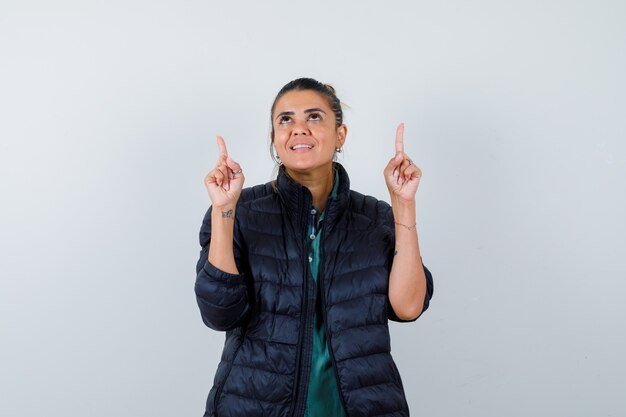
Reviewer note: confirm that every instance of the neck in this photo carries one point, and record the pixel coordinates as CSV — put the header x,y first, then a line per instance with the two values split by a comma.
x,y
318,181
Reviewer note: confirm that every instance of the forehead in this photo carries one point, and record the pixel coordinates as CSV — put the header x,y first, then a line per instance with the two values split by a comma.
x,y
301,100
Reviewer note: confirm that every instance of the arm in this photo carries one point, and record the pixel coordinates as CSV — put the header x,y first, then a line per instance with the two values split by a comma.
x,y
410,283
221,251
220,287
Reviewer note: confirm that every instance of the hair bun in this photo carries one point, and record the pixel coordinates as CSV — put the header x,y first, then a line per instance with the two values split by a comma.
x,y
331,88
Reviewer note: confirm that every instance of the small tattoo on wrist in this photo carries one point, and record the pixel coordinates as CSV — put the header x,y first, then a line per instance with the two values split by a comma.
x,y
228,213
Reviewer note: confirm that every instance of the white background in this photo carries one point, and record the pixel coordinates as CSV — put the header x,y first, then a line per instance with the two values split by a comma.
x,y
514,110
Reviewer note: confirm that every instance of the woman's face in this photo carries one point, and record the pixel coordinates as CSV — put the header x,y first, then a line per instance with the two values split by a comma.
x,y
305,132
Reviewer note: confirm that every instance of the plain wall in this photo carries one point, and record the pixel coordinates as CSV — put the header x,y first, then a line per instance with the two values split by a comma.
x,y
514,110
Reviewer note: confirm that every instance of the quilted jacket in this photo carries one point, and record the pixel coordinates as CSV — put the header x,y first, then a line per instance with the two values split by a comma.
x,y
267,310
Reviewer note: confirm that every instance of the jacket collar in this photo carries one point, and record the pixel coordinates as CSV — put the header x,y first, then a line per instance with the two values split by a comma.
x,y
297,198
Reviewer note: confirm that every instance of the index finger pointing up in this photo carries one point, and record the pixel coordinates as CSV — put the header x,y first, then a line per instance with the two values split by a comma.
x,y
222,146
400,138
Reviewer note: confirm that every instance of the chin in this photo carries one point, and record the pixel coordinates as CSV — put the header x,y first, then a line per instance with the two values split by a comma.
x,y
298,167
302,166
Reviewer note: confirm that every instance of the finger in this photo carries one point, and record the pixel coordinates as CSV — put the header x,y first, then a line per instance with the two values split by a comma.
x,y
406,170
233,166
399,171
402,162
224,171
209,179
216,177
400,139
406,162
412,173
222,147
220,173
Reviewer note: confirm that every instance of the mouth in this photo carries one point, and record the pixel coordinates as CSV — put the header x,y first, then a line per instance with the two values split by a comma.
x,y
301,146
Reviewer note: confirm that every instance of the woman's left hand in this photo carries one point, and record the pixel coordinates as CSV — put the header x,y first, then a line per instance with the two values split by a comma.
x,y
401,174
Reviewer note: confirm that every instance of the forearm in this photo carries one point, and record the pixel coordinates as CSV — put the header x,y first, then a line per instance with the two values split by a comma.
x,y
407,280
222,229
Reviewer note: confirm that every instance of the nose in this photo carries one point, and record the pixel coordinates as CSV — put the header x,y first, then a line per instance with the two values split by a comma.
x,y
300,128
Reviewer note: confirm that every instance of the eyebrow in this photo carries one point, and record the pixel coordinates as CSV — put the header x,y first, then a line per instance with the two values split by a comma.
x,y
290,113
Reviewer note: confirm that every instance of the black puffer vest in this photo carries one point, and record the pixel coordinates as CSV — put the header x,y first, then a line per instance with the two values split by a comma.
x,y
267,311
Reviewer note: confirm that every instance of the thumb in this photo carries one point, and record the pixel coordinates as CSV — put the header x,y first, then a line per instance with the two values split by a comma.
x,y
391,166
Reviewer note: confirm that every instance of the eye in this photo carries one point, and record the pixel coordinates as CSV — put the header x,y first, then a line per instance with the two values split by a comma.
x,y
284,120
315,116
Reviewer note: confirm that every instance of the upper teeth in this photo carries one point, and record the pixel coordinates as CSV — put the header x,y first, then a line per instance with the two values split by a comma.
x,y
301,146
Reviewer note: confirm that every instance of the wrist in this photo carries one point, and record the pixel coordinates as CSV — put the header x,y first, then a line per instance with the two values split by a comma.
x,y
223,212
404,212
409,227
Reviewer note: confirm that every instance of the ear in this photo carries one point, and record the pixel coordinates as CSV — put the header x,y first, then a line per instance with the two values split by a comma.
x,y
342,132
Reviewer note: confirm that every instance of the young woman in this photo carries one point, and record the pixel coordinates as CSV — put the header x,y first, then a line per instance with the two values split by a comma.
x,y
303,273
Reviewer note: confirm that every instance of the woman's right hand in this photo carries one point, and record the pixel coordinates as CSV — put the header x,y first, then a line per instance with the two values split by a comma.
x,y
225,181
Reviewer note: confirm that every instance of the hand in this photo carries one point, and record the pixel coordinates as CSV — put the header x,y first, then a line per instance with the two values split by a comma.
x,y
401,174
225,181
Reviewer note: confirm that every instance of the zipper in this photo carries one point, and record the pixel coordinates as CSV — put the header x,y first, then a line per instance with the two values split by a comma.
x,y
230,367
298,411
320,275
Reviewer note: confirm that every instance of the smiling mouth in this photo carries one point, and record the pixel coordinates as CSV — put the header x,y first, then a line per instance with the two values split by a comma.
x,y
301,146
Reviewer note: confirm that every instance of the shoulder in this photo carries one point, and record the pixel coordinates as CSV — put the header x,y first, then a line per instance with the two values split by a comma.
x,y
254,198
378,211
261,198
256,192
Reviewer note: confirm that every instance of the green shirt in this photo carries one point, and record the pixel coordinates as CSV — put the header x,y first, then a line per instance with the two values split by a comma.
x,y
323,396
